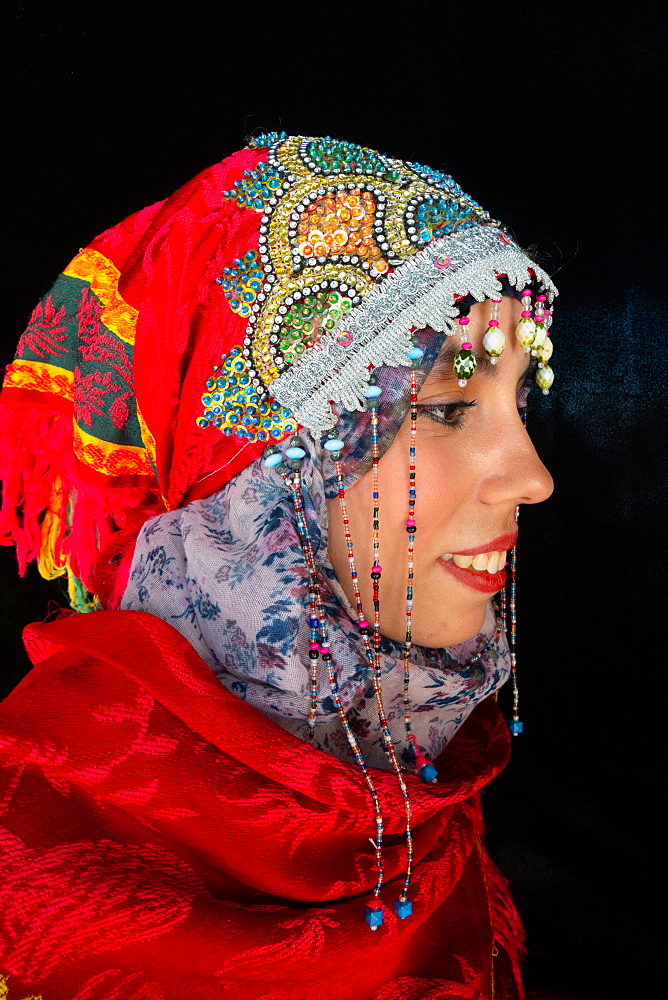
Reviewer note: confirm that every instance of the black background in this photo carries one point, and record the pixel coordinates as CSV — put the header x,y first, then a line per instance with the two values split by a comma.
x,y
550,115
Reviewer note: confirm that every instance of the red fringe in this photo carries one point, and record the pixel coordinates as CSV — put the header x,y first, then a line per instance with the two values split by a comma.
x,y
40,473
508,929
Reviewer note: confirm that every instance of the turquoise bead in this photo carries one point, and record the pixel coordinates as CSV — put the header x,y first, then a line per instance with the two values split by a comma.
x,y
403,908
428,773
374,916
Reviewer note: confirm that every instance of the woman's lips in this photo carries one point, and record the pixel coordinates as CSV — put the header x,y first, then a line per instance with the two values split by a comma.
x,y
481,580
481,568
502,543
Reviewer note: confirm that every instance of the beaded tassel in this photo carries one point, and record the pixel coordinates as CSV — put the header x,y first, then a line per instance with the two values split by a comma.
x,y
292,478
515,726
464,364
542,346
526,328
494,340
424,767
402,906
411,528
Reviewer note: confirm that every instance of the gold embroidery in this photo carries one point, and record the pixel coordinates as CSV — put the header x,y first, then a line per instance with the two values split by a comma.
x,y
102,275
146,435
40,377
110,459
4,991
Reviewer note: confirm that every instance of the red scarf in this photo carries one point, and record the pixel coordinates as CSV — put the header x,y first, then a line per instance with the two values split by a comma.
x,y
162,839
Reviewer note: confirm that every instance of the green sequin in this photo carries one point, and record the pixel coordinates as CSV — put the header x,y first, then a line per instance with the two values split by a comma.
x,y
331,156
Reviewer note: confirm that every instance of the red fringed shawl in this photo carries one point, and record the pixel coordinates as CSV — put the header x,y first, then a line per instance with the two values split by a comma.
x,y
98,410
163,840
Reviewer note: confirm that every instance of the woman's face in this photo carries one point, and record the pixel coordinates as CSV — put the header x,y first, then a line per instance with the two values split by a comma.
x,y
474,463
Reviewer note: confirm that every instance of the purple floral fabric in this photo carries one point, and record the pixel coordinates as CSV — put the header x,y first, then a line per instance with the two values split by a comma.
x,y
228,572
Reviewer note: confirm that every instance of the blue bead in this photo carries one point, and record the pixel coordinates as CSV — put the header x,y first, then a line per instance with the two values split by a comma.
x,y
403,908
428,773
374,916
333,444
515,727
372,391
295,452
415,353
271,461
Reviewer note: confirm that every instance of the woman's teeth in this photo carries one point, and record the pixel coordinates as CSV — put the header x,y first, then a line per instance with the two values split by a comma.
x,y
491,562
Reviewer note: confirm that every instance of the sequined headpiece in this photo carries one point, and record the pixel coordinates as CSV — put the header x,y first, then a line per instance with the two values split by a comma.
x,y
355,250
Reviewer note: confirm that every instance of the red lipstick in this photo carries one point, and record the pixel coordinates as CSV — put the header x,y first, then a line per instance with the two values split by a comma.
x,y
500,544
486,583
481,580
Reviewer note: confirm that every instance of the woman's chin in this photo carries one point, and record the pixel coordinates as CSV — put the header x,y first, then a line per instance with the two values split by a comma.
x,y
437,635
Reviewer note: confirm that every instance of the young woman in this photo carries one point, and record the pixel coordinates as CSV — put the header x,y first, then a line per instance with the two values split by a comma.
x,y
261,777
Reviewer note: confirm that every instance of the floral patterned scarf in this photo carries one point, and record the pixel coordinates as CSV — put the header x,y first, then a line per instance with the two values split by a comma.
x,y
229,574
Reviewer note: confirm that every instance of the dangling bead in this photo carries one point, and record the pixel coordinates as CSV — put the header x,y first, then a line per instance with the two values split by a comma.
x,y
544,377
273,459
526,328
464,363
374,915
425,768
544,352
403,908
372,395
541,329
415,353
494,340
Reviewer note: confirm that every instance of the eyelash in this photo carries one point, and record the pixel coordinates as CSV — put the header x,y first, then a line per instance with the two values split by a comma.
x,y
432,411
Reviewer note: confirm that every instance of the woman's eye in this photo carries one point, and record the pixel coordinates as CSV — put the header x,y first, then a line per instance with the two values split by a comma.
x,y
449,414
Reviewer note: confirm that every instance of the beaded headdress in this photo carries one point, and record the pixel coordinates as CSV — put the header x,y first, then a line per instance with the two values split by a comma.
x,y
355,250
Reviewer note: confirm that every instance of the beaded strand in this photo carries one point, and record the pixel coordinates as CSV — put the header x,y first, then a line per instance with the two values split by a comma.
x,y
411,528
361,620
515,726
402,906
292,478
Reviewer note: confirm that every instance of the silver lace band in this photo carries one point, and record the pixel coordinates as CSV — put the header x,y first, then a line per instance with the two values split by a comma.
x,y
421,293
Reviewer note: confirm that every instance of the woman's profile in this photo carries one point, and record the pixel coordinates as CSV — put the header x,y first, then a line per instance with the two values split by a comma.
x,y
271,431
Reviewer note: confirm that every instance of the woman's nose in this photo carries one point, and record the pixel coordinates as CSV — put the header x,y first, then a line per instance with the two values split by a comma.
x,y
515,473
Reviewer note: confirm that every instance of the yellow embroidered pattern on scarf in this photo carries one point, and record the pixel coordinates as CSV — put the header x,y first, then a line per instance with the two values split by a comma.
x,y
146,435
102,275
4,991
110,459
40,377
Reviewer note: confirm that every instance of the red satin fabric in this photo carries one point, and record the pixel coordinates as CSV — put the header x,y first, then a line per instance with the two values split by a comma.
x,y
162,839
